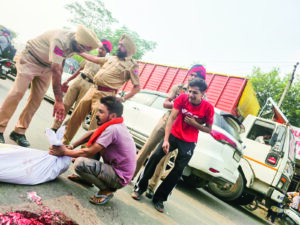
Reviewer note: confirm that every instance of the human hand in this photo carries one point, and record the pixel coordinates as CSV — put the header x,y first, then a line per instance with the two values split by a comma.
x,y
166,146
57,150
59,111
190,120
71,147
65,87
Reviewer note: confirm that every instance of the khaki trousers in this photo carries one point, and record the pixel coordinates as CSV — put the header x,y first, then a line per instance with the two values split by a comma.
x,y
160,171
89,103
154,139
28,72
74,94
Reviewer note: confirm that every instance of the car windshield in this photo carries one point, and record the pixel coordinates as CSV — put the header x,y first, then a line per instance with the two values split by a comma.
x,y
227,124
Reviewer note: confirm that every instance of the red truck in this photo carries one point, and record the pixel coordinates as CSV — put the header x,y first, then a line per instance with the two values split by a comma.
x,y
231,94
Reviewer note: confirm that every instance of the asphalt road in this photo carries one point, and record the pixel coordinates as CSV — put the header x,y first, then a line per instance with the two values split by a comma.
x,y
185,205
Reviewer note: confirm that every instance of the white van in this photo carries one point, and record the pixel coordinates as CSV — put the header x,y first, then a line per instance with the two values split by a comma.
x,y
268,164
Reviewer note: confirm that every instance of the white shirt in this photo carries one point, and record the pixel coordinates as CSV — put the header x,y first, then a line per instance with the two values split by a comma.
x,y
260,139
296,199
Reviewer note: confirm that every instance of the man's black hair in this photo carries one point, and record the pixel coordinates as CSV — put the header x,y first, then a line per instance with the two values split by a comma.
x,y
113,105
200,83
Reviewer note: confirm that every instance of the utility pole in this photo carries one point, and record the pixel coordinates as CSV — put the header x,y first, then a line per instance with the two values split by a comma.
x,y
288,85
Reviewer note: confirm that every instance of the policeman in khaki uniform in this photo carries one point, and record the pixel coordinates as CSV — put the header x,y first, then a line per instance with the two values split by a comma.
x,y
41,60
82,83
115,71
196,71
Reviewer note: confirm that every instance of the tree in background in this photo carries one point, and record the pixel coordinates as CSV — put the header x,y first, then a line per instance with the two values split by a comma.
x,y
142,45
271,85
93,14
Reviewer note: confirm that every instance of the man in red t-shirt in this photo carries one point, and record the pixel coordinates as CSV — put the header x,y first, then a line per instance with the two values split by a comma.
x,y
189,112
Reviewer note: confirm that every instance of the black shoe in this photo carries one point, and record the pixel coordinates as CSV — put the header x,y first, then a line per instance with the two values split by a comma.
x,y
159,206
2,141
136,195
149,193
20,139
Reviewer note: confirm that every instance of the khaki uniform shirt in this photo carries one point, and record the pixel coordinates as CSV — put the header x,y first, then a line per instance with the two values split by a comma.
x,y
52,46
115,72
89,68
176,90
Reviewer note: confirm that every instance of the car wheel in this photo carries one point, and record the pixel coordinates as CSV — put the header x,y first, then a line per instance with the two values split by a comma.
x,y
194,181
227,192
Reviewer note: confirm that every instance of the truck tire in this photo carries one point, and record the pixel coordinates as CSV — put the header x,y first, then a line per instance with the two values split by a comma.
x,y
194,181
228,194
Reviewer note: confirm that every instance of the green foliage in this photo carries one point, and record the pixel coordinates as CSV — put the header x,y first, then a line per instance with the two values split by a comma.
x,y
142,45
271,85
79,58
93,14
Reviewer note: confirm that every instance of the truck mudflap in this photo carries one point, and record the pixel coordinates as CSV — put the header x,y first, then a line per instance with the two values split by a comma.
x,y
247,171
275,195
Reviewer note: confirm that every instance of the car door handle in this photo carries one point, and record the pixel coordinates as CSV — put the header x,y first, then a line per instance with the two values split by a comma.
x,y
136,108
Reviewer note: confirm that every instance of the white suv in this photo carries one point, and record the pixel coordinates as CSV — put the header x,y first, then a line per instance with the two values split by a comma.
x,y
216,156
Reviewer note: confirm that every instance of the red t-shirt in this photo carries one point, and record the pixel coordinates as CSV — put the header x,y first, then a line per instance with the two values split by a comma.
x,y
184,131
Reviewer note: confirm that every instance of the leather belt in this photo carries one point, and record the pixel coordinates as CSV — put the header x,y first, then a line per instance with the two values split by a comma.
x,y
38,60
85,77
107,89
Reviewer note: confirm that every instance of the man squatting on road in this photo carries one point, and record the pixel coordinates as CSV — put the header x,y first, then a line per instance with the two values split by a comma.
x,y
82,83
41,60
116,70
115,145
157,135
181,132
